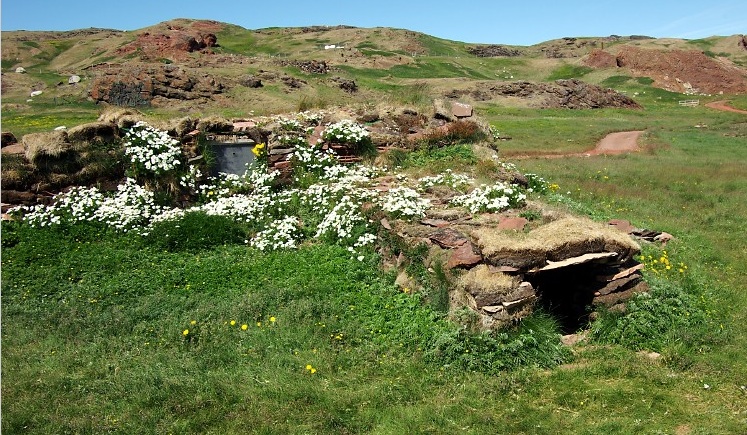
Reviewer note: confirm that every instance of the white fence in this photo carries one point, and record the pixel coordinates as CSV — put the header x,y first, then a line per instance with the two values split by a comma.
x,y
689,103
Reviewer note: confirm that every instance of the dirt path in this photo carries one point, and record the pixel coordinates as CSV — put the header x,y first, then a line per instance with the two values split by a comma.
x,y
722,105
614,143
617,143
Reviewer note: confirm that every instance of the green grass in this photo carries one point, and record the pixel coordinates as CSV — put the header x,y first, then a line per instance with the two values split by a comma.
x,y
140,331
45,116
568,71
441,47
423,68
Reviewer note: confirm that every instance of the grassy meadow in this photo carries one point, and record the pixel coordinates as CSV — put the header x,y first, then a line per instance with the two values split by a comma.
x,y
105,332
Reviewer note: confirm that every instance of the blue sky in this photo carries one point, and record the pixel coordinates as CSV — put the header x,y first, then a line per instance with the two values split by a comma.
x,y
481,21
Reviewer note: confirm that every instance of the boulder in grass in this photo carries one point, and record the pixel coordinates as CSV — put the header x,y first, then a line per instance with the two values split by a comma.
x,y
8,138
486,287
122,118
214,124
92,132
51,144
442,111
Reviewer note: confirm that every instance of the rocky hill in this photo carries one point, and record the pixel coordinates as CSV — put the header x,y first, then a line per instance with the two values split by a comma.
x,y
185,66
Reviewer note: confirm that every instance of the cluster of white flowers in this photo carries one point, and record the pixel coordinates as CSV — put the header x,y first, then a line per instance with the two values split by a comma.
x,y
341,220
244,208
497,197
340,205
289,124
359,174
77,205
129,208
152,150
312,159
404,202
448,178
279,234
311,118
224,185
494,133
333,205
192,178
345,131
291,140
363,240
537,183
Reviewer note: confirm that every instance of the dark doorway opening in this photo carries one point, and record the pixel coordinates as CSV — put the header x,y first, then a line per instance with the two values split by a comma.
x,y
567,294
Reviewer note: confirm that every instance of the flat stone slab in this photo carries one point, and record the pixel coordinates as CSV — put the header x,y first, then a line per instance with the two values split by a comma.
x,y
277,151
514,223
618,285
385,223
573,261
437,223
461,110
622,274
316,136
448,238
16,148
467,255
503,269
622,225
617,297
243,125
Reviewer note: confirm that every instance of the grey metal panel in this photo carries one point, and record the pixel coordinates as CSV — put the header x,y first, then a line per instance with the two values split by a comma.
x,y
232,158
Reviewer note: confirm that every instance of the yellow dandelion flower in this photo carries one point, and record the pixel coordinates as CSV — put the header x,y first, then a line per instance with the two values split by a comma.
x,y
308,366
257,150
185,332
194,322
244,327
313,370
272,319
259,324
233,323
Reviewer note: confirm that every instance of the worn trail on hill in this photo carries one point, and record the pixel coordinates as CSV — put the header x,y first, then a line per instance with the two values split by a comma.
x,y
614,143
722,105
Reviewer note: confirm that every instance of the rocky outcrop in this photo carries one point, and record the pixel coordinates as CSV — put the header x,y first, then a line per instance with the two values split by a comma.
x,y
307,66
686,71
682,70
346,85
600,59
493,51
251,82
141,85
172,40
568,94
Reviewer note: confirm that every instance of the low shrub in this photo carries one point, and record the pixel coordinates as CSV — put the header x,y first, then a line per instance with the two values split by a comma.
x,y
454,133
672,313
